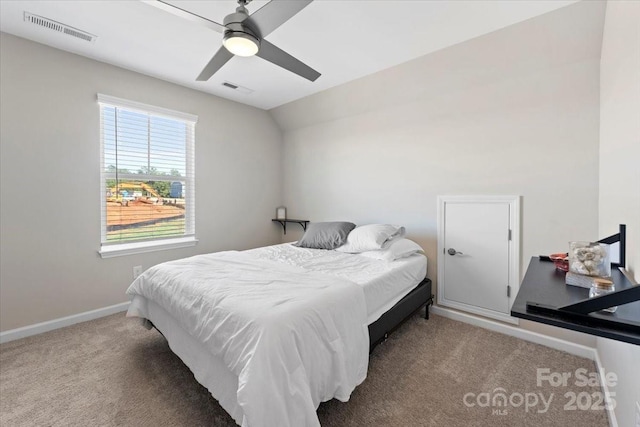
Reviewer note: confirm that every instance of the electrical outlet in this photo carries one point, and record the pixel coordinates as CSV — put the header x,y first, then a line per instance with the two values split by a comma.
x,y
137,270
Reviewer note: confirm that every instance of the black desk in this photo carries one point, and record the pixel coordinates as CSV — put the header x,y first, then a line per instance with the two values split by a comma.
x,y
543,284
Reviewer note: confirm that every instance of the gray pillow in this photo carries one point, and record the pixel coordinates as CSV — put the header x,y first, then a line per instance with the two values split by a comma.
x,y
325,235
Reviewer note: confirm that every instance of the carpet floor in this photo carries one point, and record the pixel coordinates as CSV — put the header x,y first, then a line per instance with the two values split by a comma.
x,y
113,372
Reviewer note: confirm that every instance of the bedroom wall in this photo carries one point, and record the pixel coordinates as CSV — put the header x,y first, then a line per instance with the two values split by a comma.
x,y
50,205
620,178
512,112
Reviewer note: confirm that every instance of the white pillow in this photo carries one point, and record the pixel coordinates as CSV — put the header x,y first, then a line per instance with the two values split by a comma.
x,y
400,248
371,237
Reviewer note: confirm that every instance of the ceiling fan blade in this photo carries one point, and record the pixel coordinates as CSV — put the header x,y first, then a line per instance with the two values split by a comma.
x,y
282,59
221,57
274,14
175,10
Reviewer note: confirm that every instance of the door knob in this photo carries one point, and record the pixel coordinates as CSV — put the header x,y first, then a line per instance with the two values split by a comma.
x,y
452,252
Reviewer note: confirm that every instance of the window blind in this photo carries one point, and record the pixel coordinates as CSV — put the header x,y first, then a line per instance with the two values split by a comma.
x,y
147,173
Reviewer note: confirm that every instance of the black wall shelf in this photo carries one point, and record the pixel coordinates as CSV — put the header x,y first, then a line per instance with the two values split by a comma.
x,y
545,298
283,222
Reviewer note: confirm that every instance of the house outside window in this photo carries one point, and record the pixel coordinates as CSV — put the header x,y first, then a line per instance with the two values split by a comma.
x,y
147,177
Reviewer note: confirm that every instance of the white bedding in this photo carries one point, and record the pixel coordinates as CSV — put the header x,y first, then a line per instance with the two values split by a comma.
x,y
293,337
384,283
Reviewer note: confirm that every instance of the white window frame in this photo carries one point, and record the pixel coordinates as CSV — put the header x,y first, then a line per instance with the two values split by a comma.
x,y
129,248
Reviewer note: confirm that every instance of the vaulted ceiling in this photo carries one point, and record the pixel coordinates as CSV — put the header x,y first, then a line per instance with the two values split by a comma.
x,y
343,40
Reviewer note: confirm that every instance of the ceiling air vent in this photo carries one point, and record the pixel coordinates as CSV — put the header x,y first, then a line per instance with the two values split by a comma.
x,y
57,26
237,88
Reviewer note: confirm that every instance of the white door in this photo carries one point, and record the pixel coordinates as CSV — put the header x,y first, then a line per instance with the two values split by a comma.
x,y
477,256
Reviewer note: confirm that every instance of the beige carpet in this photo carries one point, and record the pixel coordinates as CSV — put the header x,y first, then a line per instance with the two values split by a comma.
x,y
111,371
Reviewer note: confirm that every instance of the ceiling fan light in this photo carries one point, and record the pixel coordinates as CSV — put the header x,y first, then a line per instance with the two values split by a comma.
x,y
241,44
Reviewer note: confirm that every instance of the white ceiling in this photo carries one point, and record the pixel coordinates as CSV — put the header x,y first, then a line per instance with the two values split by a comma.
x,y
343,40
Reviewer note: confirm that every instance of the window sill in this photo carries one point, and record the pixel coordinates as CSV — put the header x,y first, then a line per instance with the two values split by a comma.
x,y
142,247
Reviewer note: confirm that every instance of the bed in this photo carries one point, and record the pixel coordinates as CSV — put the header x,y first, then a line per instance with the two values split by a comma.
x,y
272,332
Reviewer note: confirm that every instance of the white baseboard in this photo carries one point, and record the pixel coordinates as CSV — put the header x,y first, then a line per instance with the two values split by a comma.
x,y
535,337
613,421
38,328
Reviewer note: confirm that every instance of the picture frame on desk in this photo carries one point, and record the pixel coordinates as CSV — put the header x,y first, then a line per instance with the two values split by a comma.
x,y
281,212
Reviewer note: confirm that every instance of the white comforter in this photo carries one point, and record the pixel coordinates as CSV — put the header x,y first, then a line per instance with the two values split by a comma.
x,y
294,338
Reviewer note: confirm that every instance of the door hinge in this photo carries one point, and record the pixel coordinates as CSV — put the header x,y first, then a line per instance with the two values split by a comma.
x,y
509,234
508,291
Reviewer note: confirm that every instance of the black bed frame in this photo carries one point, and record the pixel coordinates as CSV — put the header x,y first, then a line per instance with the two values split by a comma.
x,y
391,320
419,297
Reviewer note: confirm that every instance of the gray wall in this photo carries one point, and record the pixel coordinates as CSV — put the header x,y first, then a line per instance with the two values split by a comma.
x,y
512,112
50,210
620,178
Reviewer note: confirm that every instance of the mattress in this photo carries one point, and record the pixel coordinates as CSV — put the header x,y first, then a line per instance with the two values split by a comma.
x,y
384,283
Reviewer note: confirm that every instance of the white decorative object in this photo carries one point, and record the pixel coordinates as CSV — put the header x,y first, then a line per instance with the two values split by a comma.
x,y
581,280
590,259
281,212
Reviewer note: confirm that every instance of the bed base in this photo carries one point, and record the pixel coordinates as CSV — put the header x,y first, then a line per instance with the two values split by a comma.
x,y
419,297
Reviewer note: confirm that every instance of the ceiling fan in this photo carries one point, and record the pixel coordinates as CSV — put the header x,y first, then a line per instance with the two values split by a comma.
x,y
244,34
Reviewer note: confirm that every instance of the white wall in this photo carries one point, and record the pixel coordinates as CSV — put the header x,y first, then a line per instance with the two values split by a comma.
x,y
620,126
620,176
512,112
50,205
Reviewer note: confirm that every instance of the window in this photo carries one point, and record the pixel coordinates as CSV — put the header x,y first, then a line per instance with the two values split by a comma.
x,y
147,177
